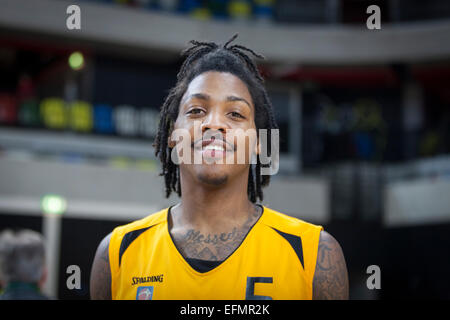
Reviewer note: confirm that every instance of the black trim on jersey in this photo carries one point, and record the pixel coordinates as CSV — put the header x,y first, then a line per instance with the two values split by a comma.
x,y
295,242
127,239
202,265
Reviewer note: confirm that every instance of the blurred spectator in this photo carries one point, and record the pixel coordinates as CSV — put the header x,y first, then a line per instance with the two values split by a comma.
x,y
22,265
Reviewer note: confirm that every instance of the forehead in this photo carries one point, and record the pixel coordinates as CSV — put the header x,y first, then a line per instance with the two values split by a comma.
x,y
218,85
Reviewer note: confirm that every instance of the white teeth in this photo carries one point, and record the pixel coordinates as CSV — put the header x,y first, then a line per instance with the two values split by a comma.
x,y
210,147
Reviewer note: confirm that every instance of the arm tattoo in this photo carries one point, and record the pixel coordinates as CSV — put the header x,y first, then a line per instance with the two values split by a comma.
x,y
330,277
100,283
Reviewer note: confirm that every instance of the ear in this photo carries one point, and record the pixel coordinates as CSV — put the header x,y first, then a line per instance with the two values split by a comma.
x,y
170,142
257,149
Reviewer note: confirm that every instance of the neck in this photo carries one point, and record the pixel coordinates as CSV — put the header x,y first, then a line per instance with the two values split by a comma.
x,y
214,207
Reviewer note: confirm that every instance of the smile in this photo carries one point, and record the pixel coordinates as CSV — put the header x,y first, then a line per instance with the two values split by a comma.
x,y
213,147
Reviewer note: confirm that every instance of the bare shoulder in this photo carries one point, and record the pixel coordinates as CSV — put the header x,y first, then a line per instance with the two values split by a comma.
x,y
100,282
330,277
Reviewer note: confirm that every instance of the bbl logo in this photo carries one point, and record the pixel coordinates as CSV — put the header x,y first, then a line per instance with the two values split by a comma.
x,y
144,293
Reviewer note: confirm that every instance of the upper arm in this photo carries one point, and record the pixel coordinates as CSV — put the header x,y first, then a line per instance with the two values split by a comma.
x,y
100,282
330,277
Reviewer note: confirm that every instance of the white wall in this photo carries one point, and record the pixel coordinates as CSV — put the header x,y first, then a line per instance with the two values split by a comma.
x,y
119,193
420,201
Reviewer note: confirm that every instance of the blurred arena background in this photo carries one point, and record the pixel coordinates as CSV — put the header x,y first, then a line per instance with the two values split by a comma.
x,y
364,118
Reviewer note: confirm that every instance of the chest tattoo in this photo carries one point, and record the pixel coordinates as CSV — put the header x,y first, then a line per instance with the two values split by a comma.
x,y
194,244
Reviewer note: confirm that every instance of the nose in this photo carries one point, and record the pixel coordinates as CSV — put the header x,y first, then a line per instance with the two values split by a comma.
x,y
214,121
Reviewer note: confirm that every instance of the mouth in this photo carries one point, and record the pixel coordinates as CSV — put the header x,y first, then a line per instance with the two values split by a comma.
x,y
213,148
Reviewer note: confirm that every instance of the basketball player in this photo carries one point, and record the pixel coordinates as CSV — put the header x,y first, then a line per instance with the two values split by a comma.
x,y
217,243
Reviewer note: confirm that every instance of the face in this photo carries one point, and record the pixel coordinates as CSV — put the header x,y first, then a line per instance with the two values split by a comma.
x,y
217,111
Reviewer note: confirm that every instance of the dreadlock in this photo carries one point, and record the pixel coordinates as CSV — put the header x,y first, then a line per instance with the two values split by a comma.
x,y
200,58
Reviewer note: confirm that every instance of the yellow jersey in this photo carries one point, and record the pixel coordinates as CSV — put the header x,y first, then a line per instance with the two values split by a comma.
x,y
276,260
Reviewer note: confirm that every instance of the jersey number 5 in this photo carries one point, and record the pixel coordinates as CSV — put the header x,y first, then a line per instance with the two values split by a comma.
x,y
250,290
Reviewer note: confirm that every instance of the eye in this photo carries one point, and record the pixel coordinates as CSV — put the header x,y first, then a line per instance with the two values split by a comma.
x,y
195,111
235,114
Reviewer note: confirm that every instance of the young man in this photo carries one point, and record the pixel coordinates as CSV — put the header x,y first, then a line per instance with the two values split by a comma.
x,y
217,243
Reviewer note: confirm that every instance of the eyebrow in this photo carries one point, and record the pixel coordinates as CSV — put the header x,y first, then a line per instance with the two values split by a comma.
x,y
204,96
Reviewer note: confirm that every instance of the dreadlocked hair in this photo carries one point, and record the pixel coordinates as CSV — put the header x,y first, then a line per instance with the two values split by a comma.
x,y
209,56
